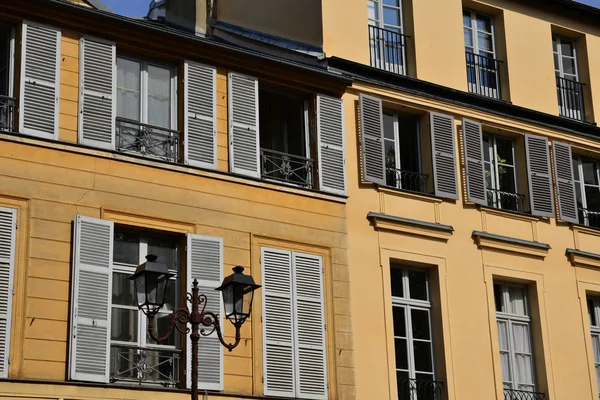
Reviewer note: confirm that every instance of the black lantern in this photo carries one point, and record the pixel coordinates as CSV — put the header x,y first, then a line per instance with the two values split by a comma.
x,y
238,292
151,280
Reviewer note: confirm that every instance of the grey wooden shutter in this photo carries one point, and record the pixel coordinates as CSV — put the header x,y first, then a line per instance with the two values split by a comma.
x,y
309,326
332,144
91,299
97,93
278,325
244,135
8,226
443,155
563,170
200,115
540,180
475,170
205,263
371,128
40,80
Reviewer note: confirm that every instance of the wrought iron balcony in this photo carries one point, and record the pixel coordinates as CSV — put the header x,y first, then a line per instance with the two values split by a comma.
x,y
412,389
505,200
570,98
388,49
589,217
407,180
512,394
483,75
7,113
288,168
147,140
144,366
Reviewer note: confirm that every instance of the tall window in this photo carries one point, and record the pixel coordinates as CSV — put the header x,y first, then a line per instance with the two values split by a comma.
x,y
411,307
587,189
386,35
514,336
483,73
402,151
501,173
569,90
593,304
130,342
6,75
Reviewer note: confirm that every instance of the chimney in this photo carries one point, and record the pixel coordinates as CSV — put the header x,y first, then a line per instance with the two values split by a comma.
x,y
187,15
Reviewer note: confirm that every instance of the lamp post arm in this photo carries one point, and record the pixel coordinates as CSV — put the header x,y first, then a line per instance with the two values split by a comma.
x,y
211,319
179,317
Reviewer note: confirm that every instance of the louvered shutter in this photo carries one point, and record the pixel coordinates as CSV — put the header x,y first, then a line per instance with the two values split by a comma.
x,y
97,98
205,263
310,326
91,299
200,109
540,181
278,330
8,226
40,80
331,142
473,142
371,128
444,161
244,135
563,170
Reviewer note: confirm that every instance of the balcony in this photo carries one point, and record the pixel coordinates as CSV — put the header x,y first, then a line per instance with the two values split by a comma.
x,y
505,200
589,217
570,98
483,75
147,140
511,394
144,366
388,49
286,168
413,389
7,113
407,180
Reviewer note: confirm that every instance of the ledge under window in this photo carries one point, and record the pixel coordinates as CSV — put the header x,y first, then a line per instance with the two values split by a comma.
x,y
581,258
411,226
486,240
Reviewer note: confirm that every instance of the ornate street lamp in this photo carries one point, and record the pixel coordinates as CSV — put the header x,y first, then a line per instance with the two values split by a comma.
x,y
151,282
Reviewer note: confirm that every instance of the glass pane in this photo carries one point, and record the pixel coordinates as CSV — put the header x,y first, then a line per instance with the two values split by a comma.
x,y
503,335
422,356
554,43
521,338
498,296
468,38
420,324
391,16
596,347
592,196
128,85
523,369
126,248
393,3
396,275
390,154
372,10
404,385
124,325
425,389
484,24
408,126
506,178
388,126
401,353
162,322
417,282
505,363
591,312
589,172
485,43
128,104
399,321
159,96
467,19
566,48
123,290
575,170
504,148
569,66
517,301
556,65
166,250
486,148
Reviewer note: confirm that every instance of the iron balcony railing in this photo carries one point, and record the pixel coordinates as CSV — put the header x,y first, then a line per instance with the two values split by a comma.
x,y
7,113
287,168
483,75
589,217
144,366
512,394
570,98
147,140
420,389
388,49
505,200
407,180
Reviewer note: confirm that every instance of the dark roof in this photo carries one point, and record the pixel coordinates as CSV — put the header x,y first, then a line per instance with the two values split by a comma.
x,y
99,4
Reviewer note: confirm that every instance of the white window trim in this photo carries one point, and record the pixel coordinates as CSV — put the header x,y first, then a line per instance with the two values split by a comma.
x,y
476,50
379,22
493,155
582,185
561,72
595,331
398,161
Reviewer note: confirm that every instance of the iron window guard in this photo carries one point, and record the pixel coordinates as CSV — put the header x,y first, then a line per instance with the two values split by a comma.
x,y
7,113
505,200
570,98
388,49
407,180
409,389
147,140
287,168
483,75
143,365
589,217
513,394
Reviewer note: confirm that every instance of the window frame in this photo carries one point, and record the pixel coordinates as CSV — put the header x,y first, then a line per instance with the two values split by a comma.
x,y
11,58
595,331
559,40
379,22
397,156
579,181
474,31
493,155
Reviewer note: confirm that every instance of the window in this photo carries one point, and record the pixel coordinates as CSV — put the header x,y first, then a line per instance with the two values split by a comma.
x,y
386,35
568,87
593,304
501,173
7,102
131,345
403,152
483,69
284,138
514,336
146,109
586,176
411,308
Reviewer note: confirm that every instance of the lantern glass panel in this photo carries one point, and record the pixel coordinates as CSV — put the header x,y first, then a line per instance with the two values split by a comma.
x,y
140,287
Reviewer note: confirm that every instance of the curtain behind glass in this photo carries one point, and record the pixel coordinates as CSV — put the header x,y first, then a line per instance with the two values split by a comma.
x,y
159,96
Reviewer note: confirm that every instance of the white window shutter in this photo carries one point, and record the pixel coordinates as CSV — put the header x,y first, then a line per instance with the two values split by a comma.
x,y
200,115
441,127
541,196
371,128
91,299
8,226
205,264
475,170
278,326
97,92
565,184
40,80
332,144
244,137
310,327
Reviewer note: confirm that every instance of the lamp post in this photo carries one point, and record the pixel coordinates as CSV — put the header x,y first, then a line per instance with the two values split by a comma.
x,y
151,281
